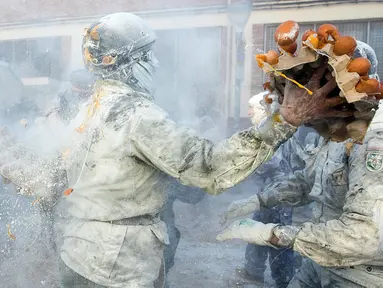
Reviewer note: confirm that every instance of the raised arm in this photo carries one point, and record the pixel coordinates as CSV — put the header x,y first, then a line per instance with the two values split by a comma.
x,y
282,180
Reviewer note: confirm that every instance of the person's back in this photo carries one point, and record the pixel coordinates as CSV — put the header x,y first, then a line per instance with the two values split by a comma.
x,y
119,190
127,143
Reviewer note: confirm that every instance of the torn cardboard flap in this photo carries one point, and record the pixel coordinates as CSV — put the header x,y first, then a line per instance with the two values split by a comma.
x,y
288,61
346,81
361,92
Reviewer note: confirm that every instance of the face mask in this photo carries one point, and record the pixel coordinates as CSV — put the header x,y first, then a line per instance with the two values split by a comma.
x,y
143,72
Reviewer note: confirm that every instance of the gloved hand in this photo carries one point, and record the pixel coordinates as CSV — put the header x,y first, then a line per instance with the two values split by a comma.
x,y
250,231
259,110
241,208
263,105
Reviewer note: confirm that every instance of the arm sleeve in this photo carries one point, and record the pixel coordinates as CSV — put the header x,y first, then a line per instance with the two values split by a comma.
x,y
290,190
158,141
287,176
354,238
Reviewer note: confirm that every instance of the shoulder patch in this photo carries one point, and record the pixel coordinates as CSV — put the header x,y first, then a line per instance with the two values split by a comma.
x,y
374,161
374,157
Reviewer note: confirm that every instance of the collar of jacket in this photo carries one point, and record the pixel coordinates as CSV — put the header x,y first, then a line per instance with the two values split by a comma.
x,y
115,86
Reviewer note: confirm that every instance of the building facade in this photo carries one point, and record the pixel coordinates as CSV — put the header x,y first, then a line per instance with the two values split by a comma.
x,y
196,45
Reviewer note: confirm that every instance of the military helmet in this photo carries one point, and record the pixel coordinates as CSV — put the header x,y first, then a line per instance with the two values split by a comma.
x,y
116,40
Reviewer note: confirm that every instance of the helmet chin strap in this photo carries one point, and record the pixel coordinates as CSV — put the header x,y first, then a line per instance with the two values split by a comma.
x,y
143,72
138,72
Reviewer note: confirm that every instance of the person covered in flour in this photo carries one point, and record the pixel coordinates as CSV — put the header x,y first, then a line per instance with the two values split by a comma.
x,y
342,243
125,146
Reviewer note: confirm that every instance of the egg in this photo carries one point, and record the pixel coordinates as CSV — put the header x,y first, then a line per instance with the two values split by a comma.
x,y
360,66
369,86
307,33
345,45
327,30
286,33
292,48
272,57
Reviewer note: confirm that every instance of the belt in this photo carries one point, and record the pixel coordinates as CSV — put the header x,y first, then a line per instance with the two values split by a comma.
x,y
142,220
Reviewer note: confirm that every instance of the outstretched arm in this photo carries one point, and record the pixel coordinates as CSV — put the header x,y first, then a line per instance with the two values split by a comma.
x,y
158,141
282,180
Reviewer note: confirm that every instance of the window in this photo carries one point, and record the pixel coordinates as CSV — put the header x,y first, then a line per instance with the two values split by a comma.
x,y
33,57
376,42
357,30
